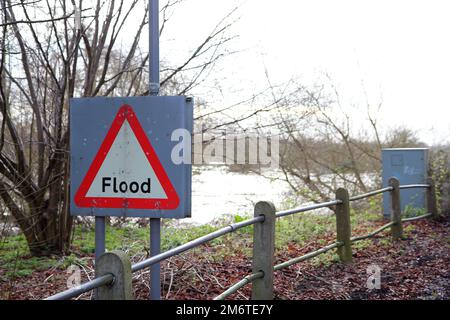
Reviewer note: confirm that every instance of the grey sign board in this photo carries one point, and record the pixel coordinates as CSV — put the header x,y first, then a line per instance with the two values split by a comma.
x,y
121,156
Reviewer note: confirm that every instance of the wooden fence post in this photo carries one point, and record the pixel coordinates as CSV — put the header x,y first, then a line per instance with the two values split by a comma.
x,y
396,213
263,251
343,227
431,199
117,263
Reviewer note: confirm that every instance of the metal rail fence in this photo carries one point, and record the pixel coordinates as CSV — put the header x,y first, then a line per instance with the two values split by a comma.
x,y
113,279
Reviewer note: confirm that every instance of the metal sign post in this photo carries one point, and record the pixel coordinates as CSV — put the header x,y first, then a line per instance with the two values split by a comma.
x,y
155,223
100,236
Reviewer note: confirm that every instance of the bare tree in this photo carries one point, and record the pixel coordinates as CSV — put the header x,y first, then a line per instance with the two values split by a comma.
x,y
322,145
48,57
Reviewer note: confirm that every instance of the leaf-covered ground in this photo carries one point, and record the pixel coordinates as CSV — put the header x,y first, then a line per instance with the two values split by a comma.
x,y
416,267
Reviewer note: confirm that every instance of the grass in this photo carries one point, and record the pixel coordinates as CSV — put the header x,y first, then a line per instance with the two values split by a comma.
x,y
408,231
410,212
15,260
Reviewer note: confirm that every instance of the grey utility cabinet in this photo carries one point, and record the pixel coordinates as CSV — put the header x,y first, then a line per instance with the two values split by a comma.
x,y
409,166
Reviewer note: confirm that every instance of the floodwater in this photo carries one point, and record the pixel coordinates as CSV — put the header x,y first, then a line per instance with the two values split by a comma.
x,y
218,193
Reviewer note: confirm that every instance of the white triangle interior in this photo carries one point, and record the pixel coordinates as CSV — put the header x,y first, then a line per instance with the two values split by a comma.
x,y
126,164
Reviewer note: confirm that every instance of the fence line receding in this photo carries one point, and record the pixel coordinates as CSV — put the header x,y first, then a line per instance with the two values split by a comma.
x,y
263,244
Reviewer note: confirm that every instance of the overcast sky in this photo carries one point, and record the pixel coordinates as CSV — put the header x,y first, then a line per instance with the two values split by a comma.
x,y
398,51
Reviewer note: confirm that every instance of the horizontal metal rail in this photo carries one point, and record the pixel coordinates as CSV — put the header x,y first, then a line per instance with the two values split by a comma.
x,y
354,239
238,285
373,233
308,208
307,256
195,243
83,288
414,186
417,218
371,193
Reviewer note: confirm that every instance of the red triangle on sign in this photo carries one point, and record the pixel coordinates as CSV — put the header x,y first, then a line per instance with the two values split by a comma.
x,y
113,193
